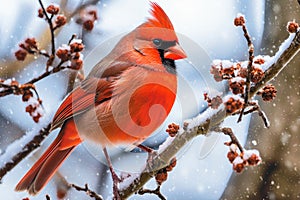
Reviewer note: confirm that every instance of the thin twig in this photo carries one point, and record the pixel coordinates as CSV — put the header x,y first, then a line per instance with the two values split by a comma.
x,y
234,140
49,20
249,69
88,191
156,192
255,108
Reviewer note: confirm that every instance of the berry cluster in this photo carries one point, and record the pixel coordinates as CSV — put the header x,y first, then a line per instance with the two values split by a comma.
x,y
53,10
162,174
243,159
236,73
233,105
268,93
34,104
29,46
239,20
215,102
72,53
34,108
172,129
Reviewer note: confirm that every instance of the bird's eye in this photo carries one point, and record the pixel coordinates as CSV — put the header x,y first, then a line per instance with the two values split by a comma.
x,y
157,42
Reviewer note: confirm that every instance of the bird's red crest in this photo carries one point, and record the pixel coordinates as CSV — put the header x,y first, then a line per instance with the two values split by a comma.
x,y
159,18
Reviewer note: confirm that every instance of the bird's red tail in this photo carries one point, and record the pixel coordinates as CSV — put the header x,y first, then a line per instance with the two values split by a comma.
x,y
42,171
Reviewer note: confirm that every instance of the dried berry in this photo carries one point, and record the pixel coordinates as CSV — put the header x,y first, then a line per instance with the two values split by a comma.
x,y
233,105
37,118
239,21
52,9
259,61
63,54
253,160
216,73
76,47
256,74
231,156
93,13
88,25
292,27
237,87
268,93
31,43
60,20
20,54
228,72
76,64
27,95
172,129
30,109
243,72
40,13
173,162
161,176
238,167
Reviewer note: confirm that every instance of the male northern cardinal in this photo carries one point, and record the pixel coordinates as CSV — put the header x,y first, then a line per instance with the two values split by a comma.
x,y
126,96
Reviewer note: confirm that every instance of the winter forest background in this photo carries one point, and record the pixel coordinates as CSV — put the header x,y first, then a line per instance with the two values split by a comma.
x,y
199,174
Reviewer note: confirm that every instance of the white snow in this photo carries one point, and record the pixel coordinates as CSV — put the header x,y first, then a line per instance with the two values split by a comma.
x,y
282,48
237,79
165,144
236,97
76,40
201,118
65,46
18,144
129,180
233,147
241,15
237,160
248,153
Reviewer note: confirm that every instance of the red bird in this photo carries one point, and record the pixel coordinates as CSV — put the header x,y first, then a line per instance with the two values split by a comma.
x,y
126,96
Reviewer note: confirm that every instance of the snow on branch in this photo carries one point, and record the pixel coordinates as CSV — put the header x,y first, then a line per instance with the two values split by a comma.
x,y
212,118
32,141
67,56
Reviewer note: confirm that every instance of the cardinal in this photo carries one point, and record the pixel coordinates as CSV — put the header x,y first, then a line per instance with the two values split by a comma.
x,y
125,98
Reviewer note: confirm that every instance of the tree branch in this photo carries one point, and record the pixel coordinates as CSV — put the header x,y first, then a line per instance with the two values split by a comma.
x,y
284,58
207,120
26,150
87,191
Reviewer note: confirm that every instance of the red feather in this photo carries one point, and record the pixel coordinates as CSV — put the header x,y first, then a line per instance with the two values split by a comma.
x,y
81,99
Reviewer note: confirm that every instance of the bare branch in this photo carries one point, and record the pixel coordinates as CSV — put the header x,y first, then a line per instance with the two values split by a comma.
x,y
156,192
249,69
87,191
51,28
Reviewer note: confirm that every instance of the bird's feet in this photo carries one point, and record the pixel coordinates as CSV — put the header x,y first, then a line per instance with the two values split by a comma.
x,y
151,154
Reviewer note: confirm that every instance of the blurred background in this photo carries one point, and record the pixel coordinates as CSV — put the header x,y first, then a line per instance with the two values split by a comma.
x,y
210,26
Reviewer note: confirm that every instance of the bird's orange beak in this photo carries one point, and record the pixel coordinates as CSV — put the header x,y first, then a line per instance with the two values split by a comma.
x,y
175,52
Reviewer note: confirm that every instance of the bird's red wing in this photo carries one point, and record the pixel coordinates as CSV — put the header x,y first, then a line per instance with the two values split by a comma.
x,y
92,92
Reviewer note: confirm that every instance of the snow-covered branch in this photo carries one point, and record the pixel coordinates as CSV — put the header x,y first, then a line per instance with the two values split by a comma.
x,y
289,48
32,141
203,123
